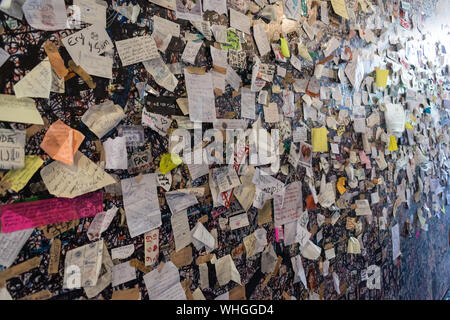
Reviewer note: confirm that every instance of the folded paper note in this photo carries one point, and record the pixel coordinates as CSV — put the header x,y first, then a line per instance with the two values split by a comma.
x,y
61,142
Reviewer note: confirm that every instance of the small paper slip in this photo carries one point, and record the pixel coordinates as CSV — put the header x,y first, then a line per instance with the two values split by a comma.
x,y
239,221
136,50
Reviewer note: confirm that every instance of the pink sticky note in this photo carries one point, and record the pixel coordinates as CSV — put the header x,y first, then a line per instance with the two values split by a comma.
x,y
365,159
27,215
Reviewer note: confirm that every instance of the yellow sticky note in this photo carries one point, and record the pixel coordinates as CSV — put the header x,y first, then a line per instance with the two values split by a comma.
x,y
393,144
341,185
382,76
408,126
319,139
285,48
363,5
303,52
340,8
18,178
169,161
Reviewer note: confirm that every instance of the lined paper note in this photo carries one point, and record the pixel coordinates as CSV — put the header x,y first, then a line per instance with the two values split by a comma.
x,y
136,50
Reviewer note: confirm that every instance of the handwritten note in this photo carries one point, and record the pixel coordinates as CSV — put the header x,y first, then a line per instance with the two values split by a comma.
x,y
11,244
123,252
239,221
69,181
157,122
202,105
61,142
140,161
116,153
289,207
395,242
190,51
151,245
22,110
202,238
92,12
92,40
12,149
37,83
161,73
226,271
136,50
178,200
141,204
181,230
164,284
261,39
26,215
48,15
122,273
101,118
166,26
82,266
247,104
96,65
104,279
100,223
219,6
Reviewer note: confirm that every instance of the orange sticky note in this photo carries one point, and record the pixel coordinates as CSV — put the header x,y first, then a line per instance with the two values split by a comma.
x,y
61,142
341,185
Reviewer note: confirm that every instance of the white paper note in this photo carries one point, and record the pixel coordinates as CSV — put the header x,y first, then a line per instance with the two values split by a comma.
x,y
122,252
12,149
138,49
37,83
11,244
226,271
96,65
239,21
49,15
91,40
122,273
261,39
202,105
181,230
100,223
116,153
69,181
164,284
141,204
101,118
